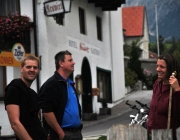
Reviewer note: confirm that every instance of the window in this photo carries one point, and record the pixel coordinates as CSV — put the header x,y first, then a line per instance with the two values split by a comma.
x,y
104,85
9,6
82,21
99,28
6,44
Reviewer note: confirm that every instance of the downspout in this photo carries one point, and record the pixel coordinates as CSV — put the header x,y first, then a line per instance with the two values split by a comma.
x,y
111,51
35,37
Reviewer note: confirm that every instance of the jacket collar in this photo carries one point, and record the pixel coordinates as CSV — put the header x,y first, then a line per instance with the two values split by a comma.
x,y
60,78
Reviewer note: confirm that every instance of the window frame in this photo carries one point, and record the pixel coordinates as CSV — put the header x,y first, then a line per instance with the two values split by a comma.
x,y
107,87
82,21
8,6
99,28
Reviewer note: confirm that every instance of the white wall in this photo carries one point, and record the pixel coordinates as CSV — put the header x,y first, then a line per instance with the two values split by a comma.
x,y
118,79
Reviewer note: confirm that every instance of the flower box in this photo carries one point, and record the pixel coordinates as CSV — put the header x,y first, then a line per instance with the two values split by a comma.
x,y
14,25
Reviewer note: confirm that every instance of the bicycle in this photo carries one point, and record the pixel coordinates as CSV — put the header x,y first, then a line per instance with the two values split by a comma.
x,y
142,115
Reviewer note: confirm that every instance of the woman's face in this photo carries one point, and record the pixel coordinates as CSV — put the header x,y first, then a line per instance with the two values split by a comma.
x,y
161,69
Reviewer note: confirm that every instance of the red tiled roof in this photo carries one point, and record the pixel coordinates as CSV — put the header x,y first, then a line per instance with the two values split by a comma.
x,y
133,20
153,55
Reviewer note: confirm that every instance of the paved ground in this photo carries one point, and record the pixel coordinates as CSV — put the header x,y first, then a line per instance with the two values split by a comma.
x,y
143,96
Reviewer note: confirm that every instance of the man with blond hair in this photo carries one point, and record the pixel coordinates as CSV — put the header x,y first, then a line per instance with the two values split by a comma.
x,y
21,102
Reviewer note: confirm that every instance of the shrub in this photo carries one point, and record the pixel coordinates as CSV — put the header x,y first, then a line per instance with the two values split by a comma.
x,y
130,77
148,79
102,138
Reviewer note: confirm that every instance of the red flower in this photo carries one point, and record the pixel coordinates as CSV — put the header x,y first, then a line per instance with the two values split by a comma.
x,y
14,25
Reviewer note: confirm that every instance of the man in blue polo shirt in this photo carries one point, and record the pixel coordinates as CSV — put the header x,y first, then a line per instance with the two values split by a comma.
x,y
59,101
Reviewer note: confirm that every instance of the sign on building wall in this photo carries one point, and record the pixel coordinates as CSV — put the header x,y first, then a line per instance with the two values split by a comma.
x,y
83,46
53,7
13,58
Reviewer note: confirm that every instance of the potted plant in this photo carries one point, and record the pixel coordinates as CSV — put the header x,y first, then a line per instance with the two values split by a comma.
x,y
14,28
14,25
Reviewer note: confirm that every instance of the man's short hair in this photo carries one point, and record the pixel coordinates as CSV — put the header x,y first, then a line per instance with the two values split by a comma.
x,y
60,56
29,57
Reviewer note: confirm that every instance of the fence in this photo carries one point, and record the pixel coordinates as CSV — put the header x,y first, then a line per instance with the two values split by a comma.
x,y
137,132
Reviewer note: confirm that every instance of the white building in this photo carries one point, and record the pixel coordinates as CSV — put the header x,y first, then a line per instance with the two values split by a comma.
x,y
135,25
92,34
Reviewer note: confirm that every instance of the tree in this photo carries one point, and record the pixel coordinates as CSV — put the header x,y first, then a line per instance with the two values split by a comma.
x,y
176,52
134,63
161,44
127,49
173,47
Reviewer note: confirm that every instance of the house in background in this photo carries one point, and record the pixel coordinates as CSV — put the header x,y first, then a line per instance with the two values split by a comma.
x,y
136,28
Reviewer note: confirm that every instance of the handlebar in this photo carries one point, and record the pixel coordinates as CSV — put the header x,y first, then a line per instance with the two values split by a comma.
x,y
132,106
142,105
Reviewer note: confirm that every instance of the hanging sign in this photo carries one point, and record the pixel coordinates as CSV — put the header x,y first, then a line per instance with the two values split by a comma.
x,y
53,7
13,58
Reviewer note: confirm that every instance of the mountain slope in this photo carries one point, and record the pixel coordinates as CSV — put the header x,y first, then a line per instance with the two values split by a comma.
x,y
168,12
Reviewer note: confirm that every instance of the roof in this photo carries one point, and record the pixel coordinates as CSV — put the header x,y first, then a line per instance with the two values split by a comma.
x,y
133,20
153,55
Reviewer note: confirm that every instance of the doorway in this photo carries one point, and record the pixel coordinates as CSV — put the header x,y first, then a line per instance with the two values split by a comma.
x,y
87,87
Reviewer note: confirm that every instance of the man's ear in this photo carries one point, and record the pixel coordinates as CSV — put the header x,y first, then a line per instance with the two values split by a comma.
x,y
61,63
20,68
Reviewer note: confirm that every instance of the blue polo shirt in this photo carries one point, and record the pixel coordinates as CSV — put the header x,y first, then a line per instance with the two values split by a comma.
x,y
71,114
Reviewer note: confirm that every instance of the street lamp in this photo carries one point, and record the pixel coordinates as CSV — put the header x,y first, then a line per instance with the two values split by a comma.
x,y
57,9
67,6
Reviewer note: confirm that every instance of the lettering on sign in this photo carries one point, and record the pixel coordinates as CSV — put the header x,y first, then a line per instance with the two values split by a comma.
x,y
83,47
18,51
6,60
73,44
95,51
53,7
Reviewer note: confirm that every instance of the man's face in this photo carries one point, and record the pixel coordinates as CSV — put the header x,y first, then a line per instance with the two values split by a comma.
x,y
68,64
161,69
30,70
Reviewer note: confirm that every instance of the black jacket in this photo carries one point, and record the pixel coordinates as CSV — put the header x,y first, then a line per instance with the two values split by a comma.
x,y
25,102
53,98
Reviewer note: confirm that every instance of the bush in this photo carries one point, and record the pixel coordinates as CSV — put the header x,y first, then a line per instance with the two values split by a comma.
x,y
130,77
102,138
148,79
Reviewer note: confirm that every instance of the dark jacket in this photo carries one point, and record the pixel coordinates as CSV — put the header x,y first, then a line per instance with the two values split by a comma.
x,y
25,102
18,93
53,98
158,115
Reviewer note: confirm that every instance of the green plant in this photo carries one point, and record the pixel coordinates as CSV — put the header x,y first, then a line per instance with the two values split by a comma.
x,y
134,63
148,79
13,25
102,138
130,77
127,50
